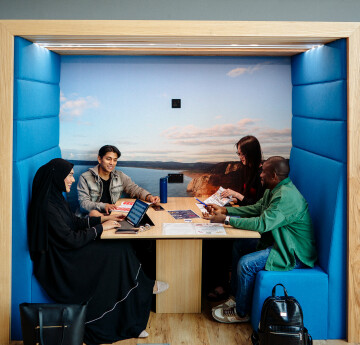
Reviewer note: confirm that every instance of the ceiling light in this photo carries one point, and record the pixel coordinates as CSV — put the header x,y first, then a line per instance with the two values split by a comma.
x,y
178,45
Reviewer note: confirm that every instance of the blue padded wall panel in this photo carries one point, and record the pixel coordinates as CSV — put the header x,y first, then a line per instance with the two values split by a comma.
x,y
315,135
36,141
35,99
319,65
322,181
337,264
318,162
33,62
32,137
318,178
322,101
23,175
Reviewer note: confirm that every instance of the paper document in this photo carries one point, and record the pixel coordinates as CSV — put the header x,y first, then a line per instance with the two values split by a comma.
x,y
201,208
183,214
209,229
176,229
125,206
217,199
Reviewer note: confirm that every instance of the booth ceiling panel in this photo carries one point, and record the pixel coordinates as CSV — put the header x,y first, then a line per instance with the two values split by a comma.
x,y
177,39
177,45
183,51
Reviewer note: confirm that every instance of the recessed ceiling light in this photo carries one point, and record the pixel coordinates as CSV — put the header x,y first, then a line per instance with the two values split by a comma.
x,y
178,45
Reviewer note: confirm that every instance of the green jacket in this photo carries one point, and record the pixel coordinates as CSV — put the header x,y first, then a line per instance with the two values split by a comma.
x,y
283,219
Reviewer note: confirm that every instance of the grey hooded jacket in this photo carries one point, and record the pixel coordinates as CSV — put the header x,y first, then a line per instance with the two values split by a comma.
x,y
90,189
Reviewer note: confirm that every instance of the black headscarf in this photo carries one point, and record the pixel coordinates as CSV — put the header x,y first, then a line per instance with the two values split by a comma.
x,y
48,183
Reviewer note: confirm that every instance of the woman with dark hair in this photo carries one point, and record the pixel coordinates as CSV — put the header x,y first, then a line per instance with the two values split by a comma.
x,y
74,265
250,191
249,152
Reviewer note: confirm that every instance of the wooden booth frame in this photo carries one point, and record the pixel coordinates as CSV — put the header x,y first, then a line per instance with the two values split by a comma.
x,y
200,33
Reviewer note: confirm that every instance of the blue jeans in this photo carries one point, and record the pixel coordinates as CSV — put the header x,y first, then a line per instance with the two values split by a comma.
x,y
240,248
243,277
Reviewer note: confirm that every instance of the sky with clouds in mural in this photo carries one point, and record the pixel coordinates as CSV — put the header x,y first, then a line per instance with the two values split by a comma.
x,y
126,101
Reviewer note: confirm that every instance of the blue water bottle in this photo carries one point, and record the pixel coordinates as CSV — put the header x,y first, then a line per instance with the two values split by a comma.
x,y
163,190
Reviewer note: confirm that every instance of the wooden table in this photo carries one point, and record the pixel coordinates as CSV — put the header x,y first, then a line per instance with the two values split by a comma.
x,y
178,258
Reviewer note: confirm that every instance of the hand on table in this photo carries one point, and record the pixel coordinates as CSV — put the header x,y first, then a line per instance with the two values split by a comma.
x,y
215,213
154,199
110,225
215,209
109,207
215,218
119,216
114,216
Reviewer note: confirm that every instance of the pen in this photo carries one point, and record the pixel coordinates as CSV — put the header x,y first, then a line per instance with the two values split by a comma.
x,y
201,202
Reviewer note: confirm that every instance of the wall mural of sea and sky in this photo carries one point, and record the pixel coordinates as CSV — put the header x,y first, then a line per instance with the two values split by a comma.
x,y
126,101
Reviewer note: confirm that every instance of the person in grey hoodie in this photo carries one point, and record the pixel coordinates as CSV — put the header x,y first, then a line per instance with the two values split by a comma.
x,y
99,188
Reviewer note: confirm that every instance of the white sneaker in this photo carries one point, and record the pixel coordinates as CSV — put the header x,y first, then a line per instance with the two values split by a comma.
x,y
228,304
229,315
160,287
143,334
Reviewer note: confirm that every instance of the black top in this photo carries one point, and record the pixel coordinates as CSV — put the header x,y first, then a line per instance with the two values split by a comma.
x,y
105,197
252,190
48,186
76,266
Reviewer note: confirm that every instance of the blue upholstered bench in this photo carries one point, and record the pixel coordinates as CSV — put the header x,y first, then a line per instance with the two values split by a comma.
x,y
321,291
25,288
318,169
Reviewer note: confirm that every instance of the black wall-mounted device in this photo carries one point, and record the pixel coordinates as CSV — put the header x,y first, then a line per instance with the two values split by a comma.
x,y
175,178
176,103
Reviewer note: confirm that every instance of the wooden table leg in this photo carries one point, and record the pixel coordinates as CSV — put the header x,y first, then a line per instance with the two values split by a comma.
x,y
178,262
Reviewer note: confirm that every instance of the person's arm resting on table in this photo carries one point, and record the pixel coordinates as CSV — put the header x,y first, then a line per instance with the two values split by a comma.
x,y
135,191
153,199
251,216
218,214
87,229
246,211
272,218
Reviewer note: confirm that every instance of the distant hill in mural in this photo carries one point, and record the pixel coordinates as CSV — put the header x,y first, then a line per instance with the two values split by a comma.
x,y
198,167
206,178
225,174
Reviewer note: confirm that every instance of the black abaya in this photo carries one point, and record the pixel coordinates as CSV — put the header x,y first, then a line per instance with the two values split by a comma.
x,y
80,267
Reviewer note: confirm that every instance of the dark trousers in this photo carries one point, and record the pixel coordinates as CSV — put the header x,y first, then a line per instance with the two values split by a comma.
x,y
216,263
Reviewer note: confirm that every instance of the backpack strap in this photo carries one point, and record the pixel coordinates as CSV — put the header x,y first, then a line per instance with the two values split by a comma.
x,y
255,338
274,290
308,338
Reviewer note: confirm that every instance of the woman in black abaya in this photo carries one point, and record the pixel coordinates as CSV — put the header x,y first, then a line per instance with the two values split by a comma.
x,y
74,265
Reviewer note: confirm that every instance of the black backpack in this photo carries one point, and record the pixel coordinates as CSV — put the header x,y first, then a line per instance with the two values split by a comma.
x,y
281,322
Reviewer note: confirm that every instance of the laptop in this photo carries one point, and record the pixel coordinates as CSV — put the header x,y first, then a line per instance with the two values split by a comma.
x,y
135,218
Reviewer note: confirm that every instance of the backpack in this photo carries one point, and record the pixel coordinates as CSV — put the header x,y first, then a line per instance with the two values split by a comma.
x,y
281,322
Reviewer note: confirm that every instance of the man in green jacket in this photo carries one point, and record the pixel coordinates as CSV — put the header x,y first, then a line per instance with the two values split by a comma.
x,y
287,239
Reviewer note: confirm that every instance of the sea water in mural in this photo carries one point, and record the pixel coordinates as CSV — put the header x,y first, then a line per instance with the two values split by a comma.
x,y
126,101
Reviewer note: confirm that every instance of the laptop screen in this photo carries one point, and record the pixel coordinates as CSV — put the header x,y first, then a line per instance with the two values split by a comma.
x,y
137,212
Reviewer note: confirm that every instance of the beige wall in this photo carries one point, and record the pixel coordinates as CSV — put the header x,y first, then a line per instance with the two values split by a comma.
x,y
239,10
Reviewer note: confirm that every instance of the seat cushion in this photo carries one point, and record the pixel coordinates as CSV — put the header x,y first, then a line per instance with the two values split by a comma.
x,y
308,285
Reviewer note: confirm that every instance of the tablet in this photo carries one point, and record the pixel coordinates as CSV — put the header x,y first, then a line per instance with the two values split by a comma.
x,y
136,213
